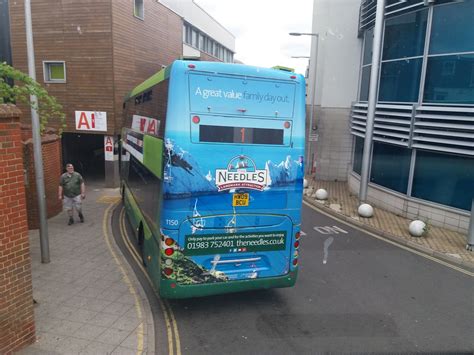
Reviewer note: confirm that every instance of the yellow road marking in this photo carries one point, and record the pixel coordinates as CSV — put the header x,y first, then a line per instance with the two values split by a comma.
x,y
429,257
175,328
167,311
138,305
109,199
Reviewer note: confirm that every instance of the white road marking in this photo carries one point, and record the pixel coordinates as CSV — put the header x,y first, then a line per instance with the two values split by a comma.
x,y
330,230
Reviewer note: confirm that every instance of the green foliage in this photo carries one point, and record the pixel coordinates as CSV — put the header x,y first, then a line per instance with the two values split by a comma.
x,y
46,105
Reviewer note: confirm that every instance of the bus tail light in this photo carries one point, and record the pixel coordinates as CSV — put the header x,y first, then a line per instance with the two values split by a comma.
x,y
297,244
287,124
196,119
169,241
169,251
168,271
191,66
297,235
295,262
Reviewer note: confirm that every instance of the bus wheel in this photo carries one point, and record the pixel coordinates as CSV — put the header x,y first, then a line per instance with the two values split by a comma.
x,y
141,244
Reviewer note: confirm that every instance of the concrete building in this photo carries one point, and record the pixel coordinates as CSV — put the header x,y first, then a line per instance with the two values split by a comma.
x,y
422,156
89,55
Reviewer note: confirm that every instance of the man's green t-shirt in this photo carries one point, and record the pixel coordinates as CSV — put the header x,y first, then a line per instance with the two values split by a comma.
x,y
71,184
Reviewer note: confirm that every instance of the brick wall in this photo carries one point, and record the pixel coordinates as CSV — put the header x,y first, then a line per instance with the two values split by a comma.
x,y
17,328
51,151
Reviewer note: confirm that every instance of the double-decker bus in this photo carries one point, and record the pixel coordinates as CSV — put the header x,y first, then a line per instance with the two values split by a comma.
x,y
212,176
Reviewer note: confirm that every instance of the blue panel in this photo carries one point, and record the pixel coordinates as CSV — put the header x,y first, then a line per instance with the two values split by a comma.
x,y
405,35
444,178
450,79
400,81
453,28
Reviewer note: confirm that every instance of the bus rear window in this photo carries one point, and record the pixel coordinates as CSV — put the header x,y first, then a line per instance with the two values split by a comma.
x,y
240,135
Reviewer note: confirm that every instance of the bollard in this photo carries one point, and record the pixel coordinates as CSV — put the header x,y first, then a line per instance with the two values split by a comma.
x,y
470,232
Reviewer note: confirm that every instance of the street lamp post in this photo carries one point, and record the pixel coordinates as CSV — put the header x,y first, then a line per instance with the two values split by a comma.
x,y
313,128
35,127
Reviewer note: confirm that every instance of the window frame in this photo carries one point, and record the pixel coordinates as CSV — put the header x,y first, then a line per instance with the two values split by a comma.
x,y
141,10
47,72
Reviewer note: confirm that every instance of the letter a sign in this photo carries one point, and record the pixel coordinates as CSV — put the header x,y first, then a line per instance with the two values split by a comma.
x,y
108,148
91,121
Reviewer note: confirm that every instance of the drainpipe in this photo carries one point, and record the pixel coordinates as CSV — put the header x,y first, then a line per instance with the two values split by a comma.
x,y
470,233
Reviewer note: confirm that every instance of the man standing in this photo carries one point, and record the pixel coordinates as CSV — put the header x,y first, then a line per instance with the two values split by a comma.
x,y
72,191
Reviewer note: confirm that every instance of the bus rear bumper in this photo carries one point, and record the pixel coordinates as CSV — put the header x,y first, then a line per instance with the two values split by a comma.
x,y
169,289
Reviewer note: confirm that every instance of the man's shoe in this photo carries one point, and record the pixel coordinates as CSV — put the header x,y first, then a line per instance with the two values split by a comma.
x,y
81,217
71,221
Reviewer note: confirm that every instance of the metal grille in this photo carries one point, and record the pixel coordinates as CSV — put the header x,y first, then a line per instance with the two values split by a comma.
x,y
435,128
445,129
392,123
392,8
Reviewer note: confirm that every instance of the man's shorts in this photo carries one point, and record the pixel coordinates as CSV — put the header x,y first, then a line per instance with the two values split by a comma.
x,y
70,202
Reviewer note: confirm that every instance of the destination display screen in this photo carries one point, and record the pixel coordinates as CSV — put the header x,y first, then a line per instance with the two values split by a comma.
x,y
240,135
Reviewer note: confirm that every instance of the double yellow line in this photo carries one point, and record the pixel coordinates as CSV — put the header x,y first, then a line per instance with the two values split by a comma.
x,y
170,321
131,288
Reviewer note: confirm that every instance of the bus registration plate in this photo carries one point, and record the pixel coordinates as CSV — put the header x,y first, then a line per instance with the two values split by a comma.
x,y
240,199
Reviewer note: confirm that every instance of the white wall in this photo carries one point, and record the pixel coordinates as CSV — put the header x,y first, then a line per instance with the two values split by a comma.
x,y
338,60
198,17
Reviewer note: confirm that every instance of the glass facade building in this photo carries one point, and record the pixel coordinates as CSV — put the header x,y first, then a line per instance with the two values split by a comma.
x,y
423,142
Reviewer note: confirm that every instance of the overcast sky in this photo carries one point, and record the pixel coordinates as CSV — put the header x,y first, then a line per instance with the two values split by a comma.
x,y
261,29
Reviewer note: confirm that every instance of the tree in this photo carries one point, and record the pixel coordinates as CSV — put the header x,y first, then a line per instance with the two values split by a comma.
x,y
47,107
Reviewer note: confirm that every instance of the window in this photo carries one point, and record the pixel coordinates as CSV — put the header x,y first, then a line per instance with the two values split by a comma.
x,y
366,65
404,43
444,178
54,71
368,44
390,166
449,79
201,42
194,38
453,21
138,9
204,43
450,67
405,35
400,80
365,83
358,152
145,188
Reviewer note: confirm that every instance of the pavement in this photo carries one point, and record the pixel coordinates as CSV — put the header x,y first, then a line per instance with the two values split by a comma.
x,y
88,300
439,242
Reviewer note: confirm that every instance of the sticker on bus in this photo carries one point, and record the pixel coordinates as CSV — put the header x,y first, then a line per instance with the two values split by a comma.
x,y
208,244
240,200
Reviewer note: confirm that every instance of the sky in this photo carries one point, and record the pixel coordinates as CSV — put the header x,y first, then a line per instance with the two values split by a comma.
x,y
261,29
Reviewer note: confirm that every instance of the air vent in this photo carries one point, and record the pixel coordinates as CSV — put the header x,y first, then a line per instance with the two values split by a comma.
x,y
435,128
446,129
392,123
